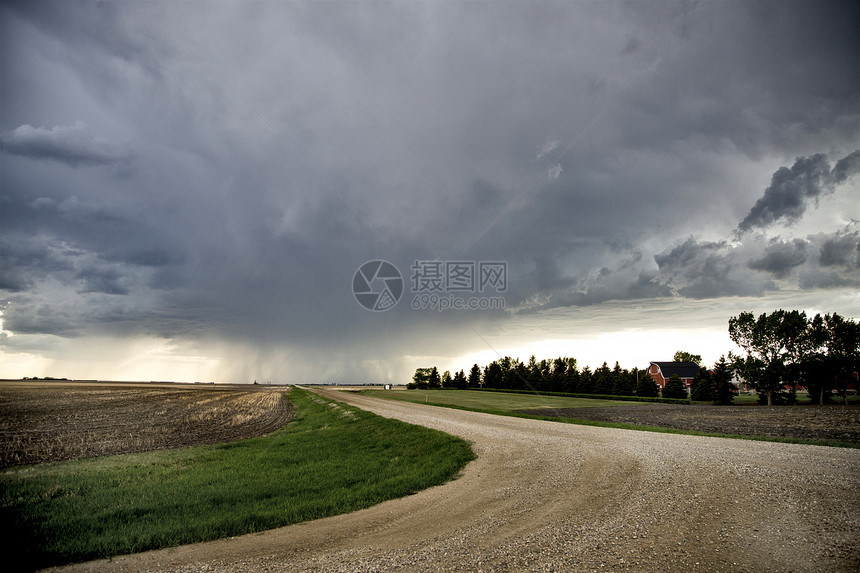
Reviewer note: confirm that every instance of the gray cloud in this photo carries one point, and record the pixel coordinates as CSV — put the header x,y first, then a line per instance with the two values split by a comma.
x,y
789,191
792,189
105,280
780,257
843,248
709,270
846,167
69,144
580,143
704,269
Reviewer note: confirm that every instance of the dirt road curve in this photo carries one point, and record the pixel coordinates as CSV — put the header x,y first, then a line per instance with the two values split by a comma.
x,y
545,496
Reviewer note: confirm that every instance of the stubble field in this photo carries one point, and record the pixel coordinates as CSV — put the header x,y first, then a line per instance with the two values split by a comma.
x,y
56,421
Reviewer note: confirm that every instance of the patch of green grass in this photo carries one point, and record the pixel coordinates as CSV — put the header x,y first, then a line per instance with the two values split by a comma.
x,y
331,459
493,401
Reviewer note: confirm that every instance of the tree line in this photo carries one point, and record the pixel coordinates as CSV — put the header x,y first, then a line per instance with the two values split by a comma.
x,y
556,375
784,351
563,375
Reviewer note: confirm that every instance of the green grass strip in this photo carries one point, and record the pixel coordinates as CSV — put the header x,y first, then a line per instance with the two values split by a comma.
x,y
499,407
330,459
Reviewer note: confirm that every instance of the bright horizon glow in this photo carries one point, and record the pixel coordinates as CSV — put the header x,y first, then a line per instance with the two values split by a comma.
x,y
699,327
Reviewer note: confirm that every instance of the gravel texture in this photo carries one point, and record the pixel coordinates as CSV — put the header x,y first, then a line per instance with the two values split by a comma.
x,y
545,496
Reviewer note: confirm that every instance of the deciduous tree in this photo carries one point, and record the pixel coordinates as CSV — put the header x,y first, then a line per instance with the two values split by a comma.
x,y
421,378
771,342
682,356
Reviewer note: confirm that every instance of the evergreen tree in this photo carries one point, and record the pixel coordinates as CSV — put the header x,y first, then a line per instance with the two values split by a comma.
x,y
674,388
646,387
475,376
571,377
447,381
622,383
702,388
433,381
586,381
533,377
519,376
558,375
545,381
723,389
507,364
493,376
602,380
460,381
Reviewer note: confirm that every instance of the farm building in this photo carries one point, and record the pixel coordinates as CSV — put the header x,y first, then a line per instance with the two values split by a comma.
x,y
662,371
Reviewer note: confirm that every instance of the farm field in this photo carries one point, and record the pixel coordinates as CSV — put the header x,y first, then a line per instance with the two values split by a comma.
x,y
832,424
329,459
54,421
836,425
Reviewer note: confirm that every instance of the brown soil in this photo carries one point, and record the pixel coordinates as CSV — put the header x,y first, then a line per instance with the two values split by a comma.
x,y
53,421
836,422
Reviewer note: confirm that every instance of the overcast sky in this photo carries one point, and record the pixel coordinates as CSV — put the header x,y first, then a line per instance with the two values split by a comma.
x,y
189,188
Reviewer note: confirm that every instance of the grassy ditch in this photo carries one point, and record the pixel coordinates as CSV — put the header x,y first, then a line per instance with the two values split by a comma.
x,y
331,459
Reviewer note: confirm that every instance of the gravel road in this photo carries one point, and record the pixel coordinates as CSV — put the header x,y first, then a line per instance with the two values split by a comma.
x,y
545,496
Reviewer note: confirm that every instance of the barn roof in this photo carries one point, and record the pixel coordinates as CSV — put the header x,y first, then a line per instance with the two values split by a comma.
x,y
682,369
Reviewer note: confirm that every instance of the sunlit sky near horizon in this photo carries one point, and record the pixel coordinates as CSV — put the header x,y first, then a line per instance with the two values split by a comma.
x,y
187,190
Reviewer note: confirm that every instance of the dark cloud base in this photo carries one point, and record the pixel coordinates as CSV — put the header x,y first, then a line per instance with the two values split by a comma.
x,y
222,181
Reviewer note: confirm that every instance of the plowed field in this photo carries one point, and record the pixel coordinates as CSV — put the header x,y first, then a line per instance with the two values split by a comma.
x,y
53,421
835,422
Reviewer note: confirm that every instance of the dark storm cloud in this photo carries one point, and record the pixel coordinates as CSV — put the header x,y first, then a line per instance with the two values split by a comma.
x,y
708,270
792,189
712,269
272,148
846,167
72,145
841,249
30,315
780,257
837,260
105,280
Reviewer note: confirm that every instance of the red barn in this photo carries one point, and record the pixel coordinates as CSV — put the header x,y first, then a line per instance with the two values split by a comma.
x,y
662,371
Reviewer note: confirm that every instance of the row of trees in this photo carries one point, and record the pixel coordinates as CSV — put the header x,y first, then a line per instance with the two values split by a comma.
x,y
785,351
556,375
563,375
